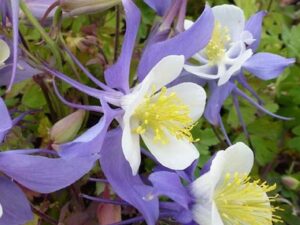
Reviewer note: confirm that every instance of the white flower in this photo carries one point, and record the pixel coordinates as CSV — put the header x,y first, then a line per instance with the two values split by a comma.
x,y
4,52
227,50
226,195
162,116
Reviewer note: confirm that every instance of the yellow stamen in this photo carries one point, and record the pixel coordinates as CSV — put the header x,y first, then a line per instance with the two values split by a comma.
x,y
215,50
163,112
242,201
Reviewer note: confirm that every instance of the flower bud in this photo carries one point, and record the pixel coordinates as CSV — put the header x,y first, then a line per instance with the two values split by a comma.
x,y
67,128
290,182
4,52
76,7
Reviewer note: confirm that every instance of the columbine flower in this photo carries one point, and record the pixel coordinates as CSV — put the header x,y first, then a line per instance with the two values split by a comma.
x,y
231,49
227,50
162,116
224,194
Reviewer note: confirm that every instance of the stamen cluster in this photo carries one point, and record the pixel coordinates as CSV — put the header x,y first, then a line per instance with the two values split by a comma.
x,y
215,50
164,112
242,201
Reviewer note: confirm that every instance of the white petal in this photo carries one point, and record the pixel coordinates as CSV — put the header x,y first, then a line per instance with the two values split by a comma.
x,y
164,72
167,70
131,144
215,216
191,95
202,188
176,155
232,17
202,213
204,71
4,52
238,158
238,63
1,211
188,24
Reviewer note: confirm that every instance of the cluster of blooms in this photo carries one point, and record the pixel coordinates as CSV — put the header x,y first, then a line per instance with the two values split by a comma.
x,y
161,110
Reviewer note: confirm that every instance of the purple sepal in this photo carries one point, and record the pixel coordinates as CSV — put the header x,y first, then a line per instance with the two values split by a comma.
x,y
117,76
6,121
119,174
254,26
159,6
16,208
186,43
42,174
24,71
218,95
267,66
90,142
169,184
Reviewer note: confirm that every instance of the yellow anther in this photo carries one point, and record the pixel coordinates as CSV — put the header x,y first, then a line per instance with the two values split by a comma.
x,y
242,201
215,50
164,112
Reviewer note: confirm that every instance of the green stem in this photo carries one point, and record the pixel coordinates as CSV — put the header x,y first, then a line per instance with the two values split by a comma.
x,y
43,33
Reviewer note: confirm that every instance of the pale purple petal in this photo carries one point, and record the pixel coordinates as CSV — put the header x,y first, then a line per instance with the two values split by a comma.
x,y
119,174
267,66
186,43
24,71
16,208
159,6
44,174
39,7
254,26
6,121
90,142
215,102
169,184
15,23
117,76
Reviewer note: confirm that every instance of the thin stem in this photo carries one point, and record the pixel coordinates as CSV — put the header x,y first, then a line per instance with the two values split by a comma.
x,y
240,116
130,221
43,216
258,106
224,131
43,33
40,82
104,200
98,180
218,135
73,105
48,11
270,5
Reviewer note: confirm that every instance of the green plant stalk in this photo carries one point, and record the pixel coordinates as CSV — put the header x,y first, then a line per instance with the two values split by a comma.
x,y
52,45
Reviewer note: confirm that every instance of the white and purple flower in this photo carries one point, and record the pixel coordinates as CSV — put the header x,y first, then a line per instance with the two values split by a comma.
x,y
162,116
224,194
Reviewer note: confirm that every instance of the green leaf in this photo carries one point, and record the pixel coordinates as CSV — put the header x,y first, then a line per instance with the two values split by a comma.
x,y
33,97
296,130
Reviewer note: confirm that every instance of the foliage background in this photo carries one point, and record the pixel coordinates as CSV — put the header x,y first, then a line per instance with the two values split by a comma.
x,y
92,38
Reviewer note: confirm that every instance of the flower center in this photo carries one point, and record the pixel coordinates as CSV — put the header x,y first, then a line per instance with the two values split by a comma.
x,y
241,201
163,112
215,50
